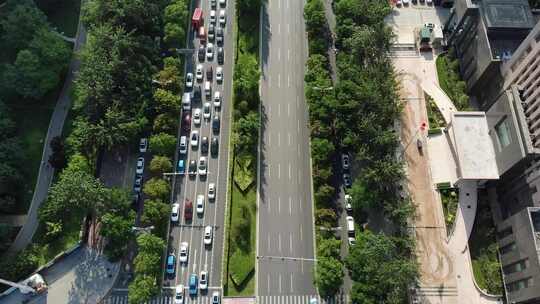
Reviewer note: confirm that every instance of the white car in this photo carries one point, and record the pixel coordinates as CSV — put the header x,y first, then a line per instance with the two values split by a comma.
x,y
140,166
202,165
207,111
213,17
208,235
179,294
219,74
222,18
199,72
217,99
203,280
398,2
210,51
429,2
197,116
143,145
405,2
348,205
211,191
175,213
189,80
200,204
352,241
183,145
184,252
345,161
222,3
215,297
194,138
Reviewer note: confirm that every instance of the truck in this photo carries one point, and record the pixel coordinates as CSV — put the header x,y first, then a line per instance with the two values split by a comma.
x,y
197,20
425,38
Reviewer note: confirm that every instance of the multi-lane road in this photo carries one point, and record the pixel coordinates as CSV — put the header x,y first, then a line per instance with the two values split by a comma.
x,y
207,258
285,249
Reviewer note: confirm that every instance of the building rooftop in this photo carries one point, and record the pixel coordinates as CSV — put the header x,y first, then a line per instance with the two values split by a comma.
x,y
507,14
473,146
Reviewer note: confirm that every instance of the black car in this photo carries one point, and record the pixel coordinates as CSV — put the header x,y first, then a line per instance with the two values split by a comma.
x,y
220,55
211,32
209,73
197,94
219,35
192,170
215,123
201,53
214,146
204,145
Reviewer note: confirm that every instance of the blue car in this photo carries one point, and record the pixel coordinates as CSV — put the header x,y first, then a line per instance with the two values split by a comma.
x,y
171,264
193,285
181,166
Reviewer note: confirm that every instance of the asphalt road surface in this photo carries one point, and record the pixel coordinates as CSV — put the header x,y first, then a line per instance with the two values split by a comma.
x,y
200,257
285,246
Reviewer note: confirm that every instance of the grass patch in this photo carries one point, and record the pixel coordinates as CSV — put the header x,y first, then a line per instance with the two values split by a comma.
x,y
63,15
483,248
435,118
451,82
243,173
48,250
449,198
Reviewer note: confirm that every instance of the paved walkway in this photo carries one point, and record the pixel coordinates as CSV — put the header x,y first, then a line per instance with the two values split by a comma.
x,y
46,172
445,105
13,220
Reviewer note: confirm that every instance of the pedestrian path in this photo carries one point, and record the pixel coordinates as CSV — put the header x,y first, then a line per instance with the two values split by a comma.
x,y
206,299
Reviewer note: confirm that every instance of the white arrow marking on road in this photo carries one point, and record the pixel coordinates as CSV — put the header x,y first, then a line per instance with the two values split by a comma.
x,y
268,243
288,27
298,126
279,28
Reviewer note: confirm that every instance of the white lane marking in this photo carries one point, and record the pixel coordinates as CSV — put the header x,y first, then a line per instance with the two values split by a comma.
x,y
279,139
279,28
279,54
288,54
298,126
280,283
290,242
269,139
290,205
288,109
279,204
279,110
279,4
279,81
288,26
289,136
289,171
301,238
279,171
268,283
298,149
269,81
279,242
302,264
268,209
292,283
269,167
195,261
287,1
289,81
268,243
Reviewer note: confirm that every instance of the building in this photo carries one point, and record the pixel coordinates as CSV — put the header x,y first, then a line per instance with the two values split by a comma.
x,y
513,121
484,34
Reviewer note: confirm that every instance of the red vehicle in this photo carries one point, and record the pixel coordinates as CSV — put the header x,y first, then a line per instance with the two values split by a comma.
x,y
188,210
202,35
197,20
186,123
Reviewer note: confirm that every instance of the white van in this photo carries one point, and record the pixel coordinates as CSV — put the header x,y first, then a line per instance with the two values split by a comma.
x,y
186,102
350,225
207,89
183,145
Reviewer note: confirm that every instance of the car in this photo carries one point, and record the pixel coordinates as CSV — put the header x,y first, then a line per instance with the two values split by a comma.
x,y
203,280
220,55
405,2
209,73
214,146
179,294
175,212
313,301
194,138
211,32
219,74
398,3
193,285
186,122
217,99
189,80
184,252
197,94
222,3
211,191
188,210
219,35
345,161
207,239
201,52
347,180
213,3
213,17
182,149
192,169
222,18
200,204
202,165
197,116
429,2
207,110
208,89
171,264
429,25
215,123
210,51
140,166
199,72
352,241
215,297
204,145
350,226
181,166
137,184
143,145
348,204
414,1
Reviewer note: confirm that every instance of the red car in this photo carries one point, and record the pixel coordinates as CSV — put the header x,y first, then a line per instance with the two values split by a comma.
x,y
188,210
186,122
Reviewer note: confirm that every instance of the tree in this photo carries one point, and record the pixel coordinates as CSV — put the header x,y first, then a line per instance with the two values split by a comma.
x,y
21,24
157,188
117,230
162,144
248,132
328,276
165,123
156,213
325,217
58,157
160,165
170,78
328,247
147,263
246,79
148,242
166,101
321,150
142,289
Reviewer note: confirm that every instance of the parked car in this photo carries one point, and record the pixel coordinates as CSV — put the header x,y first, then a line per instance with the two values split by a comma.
x,y
186,122
197,94
204,145
171,264
143,145
219,74
183,145
213,3
140,166
350,226
179,294
209,73
175,213
345,161
348,205
219,35
200,204
192,169
188,210
203,166
137,184
181,166
208,233
347,180
193,285
211,191
184,252
214,146
222,3
352,241
203,281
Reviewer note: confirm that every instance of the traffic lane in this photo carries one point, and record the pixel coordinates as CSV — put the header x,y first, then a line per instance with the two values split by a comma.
x,y
285,277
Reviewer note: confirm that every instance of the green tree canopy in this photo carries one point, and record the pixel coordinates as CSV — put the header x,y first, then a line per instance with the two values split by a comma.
x,y
20,25
160,165
328,276
162,144
157,188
